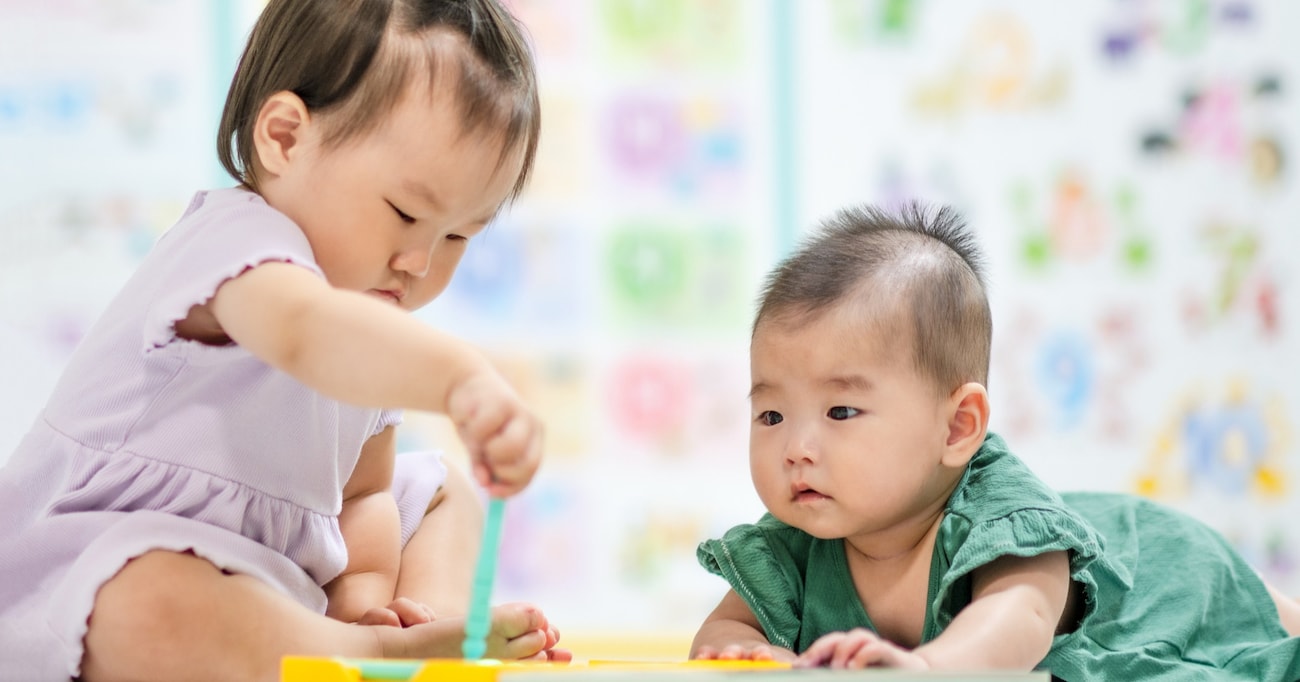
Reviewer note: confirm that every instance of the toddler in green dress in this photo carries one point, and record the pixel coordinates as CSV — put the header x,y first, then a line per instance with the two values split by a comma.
x,y
902,533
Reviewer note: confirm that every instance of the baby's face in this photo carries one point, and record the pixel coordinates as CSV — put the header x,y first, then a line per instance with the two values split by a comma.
x,y
390,213
845,437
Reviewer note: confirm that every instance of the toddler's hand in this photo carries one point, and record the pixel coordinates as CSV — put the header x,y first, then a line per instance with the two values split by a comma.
x,y
502,435
737,652
858,648
401,613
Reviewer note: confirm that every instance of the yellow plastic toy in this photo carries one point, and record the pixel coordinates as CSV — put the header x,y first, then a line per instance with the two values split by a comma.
x,y
311,669
302,669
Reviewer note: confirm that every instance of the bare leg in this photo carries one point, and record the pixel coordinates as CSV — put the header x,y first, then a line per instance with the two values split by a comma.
x,y
437,570
438,561
176,617
1288,608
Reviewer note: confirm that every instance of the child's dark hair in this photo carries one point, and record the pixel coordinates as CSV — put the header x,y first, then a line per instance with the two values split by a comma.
x,y
922,260
359,54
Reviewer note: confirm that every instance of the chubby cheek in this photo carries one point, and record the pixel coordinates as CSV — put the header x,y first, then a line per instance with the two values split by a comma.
x,y
769,481
425,291
342,270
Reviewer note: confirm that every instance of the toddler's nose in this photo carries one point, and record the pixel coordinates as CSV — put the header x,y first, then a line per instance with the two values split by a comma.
x,y
801,449
414,261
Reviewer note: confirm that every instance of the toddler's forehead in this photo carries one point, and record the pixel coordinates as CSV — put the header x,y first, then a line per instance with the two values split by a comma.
x,y
851,331
855,314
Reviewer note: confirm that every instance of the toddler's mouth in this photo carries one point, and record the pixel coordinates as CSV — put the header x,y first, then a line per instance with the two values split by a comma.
x,y
387,295
802,492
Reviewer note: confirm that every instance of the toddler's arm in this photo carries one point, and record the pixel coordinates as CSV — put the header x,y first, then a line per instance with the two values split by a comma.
x,y
1018,604
732,632
372,533
352,347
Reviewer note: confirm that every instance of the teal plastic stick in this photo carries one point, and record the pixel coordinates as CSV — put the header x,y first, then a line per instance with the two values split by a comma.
x,y
479,620
376,669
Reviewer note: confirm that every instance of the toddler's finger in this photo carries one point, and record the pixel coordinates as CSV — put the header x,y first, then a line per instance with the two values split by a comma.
x,y
877,652
559,655
488,417
411,612
843,653
513,474
705,653
552,636
509,445
816,655
380,616
732,652
868,655
482,474
852,645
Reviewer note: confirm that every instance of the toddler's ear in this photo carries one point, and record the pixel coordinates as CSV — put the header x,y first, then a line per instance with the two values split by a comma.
x,y
281,123
968,422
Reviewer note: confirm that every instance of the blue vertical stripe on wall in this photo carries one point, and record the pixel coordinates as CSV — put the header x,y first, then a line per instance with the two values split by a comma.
x,y
786,190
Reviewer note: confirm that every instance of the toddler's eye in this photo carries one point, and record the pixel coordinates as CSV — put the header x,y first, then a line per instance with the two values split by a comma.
x,y
770,418
842,412
405,218
456,238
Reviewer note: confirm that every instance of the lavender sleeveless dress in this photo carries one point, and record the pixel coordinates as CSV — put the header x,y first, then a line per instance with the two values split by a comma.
x,y
150,442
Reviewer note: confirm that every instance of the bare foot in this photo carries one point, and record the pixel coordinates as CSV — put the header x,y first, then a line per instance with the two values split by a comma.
x,y
519,631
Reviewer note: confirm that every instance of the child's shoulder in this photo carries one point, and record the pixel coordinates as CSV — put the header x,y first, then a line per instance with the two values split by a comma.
x,y
997,483
231,221
1000,507
768,530
767,541
230,205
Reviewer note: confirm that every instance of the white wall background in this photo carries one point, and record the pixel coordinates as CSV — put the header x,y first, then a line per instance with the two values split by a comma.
x,y
1144,298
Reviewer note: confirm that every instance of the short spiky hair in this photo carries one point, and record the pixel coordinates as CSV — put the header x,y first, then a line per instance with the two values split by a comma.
x,y
925,261
357,57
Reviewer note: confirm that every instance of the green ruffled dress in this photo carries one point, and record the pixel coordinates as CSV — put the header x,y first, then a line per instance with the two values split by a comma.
x,y
1166,598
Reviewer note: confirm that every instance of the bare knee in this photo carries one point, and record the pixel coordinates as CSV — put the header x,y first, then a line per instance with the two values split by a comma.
x,y
151,590
166,615
140,611
458,491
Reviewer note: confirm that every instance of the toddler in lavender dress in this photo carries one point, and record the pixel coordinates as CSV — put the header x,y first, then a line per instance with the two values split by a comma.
x,y
213,483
